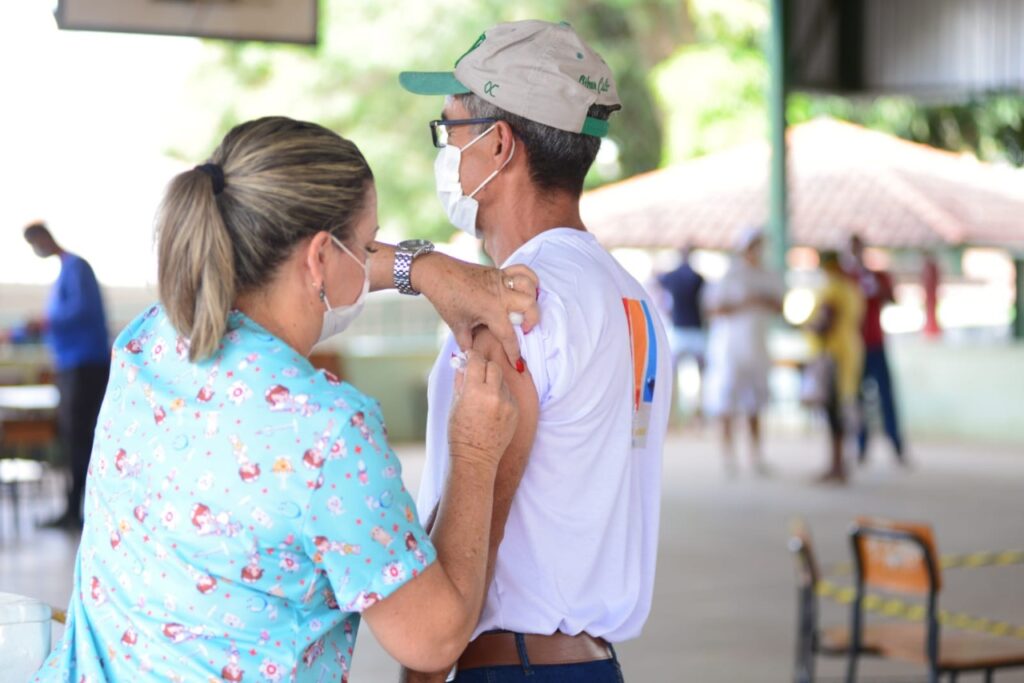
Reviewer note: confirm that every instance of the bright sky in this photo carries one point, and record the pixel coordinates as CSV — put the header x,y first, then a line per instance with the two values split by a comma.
x,y
86,118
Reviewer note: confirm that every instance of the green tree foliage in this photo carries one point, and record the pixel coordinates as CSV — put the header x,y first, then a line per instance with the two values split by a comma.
x,y
349,83
991,127
713,90
692,75
634,36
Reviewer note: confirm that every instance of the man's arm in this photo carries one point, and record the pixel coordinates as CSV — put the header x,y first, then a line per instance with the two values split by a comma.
x,y
510,469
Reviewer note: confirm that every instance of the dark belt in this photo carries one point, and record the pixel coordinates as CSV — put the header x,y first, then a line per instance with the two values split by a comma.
x,y
498,648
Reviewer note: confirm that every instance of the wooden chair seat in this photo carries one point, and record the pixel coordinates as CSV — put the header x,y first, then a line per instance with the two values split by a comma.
x,y
835,640
958,651
27,433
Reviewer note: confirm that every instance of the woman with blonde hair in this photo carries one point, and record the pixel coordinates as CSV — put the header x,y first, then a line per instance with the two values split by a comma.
x,y
243,509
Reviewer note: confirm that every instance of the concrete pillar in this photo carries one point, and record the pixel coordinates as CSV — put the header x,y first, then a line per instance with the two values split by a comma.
x,y
1018,298
778,232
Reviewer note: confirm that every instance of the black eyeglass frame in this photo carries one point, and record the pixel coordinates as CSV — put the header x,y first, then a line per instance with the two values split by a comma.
x,y
453,122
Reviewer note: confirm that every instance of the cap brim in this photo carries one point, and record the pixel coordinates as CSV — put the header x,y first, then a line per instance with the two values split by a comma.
x,y
431,83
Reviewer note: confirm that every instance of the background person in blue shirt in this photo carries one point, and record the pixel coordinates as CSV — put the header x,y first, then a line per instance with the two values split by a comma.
x,y
688,336
75,329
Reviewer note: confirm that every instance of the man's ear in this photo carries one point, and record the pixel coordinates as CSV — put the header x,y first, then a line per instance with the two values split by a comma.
x,y
503,144
315,257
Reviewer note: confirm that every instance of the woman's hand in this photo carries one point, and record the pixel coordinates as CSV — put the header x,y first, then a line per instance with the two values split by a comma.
x,y
467,295
484,415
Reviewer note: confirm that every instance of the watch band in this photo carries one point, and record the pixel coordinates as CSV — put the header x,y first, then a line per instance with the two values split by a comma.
x,y
402,272
405,253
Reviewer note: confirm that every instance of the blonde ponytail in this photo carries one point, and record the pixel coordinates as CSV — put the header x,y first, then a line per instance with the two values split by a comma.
x,y
197,270
282,181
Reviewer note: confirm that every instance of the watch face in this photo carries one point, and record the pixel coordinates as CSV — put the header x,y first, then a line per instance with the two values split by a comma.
x,y
414,245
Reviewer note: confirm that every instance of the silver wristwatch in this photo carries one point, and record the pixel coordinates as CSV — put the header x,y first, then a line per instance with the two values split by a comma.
x,y
405,253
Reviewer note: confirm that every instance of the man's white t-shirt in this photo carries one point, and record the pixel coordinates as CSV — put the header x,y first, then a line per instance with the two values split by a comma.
x,y
581,539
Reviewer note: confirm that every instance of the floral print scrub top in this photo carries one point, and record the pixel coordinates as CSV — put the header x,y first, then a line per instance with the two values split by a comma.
x,y
240,513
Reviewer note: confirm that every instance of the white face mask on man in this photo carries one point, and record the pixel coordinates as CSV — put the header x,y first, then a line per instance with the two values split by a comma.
x,y
336,320
461,209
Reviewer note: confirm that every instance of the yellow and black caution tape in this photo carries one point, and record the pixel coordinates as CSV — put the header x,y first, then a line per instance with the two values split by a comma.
x,y
1003,558
910,611
999,558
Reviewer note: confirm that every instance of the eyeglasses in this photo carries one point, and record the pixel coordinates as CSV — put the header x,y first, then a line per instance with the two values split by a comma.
x,y
440,134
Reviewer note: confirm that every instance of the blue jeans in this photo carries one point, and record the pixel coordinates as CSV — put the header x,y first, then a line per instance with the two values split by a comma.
x,y
876,371
603,671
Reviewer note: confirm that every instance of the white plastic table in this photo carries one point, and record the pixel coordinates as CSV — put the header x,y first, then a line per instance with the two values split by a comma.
x,y
35,397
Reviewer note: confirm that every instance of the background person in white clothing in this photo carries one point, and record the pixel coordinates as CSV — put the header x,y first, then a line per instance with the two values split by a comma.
x,y
573,566
741,306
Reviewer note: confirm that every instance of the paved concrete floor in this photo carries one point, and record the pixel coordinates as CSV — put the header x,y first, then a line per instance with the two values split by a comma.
x,y
724,604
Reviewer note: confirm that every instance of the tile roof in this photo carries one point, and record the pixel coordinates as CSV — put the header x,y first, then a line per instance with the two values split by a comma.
x,y
843,178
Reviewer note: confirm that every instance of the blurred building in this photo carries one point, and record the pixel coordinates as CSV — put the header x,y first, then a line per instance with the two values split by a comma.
x,y
843,178
904,199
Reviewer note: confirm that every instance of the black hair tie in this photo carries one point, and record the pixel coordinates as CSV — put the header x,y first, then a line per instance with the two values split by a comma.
x,y
216,174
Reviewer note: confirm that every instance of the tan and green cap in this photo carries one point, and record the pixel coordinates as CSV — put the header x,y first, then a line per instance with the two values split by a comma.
x,y
541,71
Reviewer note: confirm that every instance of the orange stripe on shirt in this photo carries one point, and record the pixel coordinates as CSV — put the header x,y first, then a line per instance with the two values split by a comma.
x,y
638,338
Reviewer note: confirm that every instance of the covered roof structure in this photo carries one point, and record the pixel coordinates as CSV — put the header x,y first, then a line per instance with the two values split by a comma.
x,y
843,178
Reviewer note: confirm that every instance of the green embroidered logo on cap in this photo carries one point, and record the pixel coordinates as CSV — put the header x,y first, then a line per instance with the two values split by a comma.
x,y
478,43
490,87
602,85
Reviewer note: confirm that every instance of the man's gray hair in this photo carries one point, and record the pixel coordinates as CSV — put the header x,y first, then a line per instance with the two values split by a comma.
x,y
558,160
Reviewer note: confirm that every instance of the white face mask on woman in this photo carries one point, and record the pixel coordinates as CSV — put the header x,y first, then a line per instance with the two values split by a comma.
x,y
336,320
461,209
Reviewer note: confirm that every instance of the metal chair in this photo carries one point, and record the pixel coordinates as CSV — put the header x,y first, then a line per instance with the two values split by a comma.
x,y
811,640
901,557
